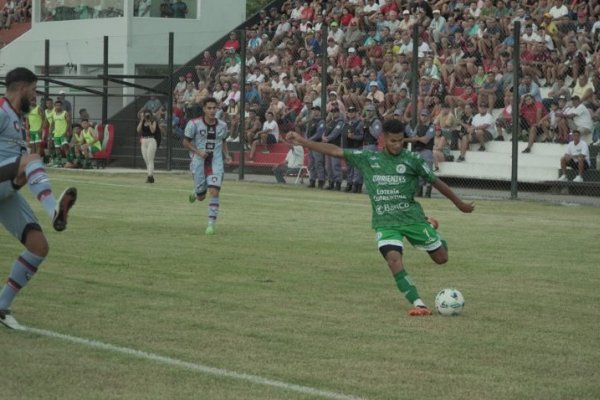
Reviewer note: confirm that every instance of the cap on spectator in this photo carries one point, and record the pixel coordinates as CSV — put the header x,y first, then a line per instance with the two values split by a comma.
x,y
333,93
334,23
351,50
351,109
436,11
562,97
318,108
373,83
397,112
369,107
405,12
61,92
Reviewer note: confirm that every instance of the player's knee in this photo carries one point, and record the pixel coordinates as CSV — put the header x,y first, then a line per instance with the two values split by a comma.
x,y
35,241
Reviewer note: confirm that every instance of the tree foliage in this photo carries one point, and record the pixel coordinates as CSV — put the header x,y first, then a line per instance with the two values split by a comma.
x,y
253,6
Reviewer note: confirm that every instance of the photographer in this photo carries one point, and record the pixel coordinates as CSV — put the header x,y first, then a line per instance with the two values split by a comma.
x,y
148,128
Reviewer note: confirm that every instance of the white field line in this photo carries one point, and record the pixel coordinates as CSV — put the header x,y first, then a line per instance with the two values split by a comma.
x,y
204,369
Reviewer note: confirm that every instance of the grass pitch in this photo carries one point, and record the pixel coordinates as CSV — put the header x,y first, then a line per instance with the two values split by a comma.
x,y
292,288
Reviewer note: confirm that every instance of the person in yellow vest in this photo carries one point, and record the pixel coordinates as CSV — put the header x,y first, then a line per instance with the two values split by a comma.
x,y
35,121
46,142
60,130
74,157
92,143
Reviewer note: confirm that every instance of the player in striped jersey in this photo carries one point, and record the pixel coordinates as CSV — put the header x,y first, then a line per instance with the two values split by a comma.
x,y
17,169
205,139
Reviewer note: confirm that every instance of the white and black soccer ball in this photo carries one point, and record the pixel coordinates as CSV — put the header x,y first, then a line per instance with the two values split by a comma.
x,y
449,302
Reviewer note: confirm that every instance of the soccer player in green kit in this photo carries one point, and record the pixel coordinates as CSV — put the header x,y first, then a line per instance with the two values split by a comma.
x,y
391,178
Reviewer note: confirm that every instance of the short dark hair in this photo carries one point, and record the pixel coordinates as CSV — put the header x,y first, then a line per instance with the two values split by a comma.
x,y
393,126
19,75
85,120
209,100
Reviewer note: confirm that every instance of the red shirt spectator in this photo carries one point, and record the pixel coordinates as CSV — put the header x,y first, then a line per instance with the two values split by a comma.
x,y
389,6
308,13
532,111
232,43
346,18
353,61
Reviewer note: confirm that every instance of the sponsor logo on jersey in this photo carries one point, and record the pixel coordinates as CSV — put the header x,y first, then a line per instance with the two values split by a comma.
x,y
400,168
388,208
388,179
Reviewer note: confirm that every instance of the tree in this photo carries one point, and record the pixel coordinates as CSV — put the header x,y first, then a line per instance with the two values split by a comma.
x,y
254,6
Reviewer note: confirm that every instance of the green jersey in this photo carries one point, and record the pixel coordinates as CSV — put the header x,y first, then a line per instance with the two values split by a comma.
x,y
391,183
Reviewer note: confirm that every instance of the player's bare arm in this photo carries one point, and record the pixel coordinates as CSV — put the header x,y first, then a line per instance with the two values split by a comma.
x,y
323,148
446,191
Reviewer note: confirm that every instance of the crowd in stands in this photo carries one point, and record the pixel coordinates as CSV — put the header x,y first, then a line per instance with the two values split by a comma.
x,y
14,11
465,69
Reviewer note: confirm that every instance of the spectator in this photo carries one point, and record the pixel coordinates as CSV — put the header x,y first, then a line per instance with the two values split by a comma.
x,y
422,139
441,149
294,160
532,112
166,9
180,9
268,135
577,156
66,104
578,117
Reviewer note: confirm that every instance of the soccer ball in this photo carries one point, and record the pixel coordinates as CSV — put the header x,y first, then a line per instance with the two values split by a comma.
x,y
449,302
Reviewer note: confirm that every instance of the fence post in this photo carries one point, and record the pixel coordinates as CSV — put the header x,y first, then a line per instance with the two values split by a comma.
x,y
170,101
242,108
47,67
105,83
516,128
414,85
324,33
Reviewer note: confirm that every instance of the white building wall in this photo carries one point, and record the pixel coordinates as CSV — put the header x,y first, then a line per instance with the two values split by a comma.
x,y
133,41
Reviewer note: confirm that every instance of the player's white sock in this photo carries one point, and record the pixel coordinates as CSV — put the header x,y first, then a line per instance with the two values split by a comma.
x,y
419,303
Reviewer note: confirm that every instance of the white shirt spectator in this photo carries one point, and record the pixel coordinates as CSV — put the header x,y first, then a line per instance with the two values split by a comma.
x,y
485,119
144,8
580,148
272,128
533,37
559,12
582,118
295,157
337,35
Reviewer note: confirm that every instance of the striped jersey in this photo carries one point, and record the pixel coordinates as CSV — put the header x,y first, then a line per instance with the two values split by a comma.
x,y
209,138
12,131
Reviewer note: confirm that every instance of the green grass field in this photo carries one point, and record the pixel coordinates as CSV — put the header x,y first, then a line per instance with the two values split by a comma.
x,y
293,290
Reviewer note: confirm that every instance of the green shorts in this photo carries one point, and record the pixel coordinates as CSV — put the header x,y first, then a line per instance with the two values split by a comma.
x,y
422,236
60,140
35,136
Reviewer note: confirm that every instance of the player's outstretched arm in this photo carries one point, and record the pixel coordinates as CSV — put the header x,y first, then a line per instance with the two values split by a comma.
x,y
446,191
323,148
